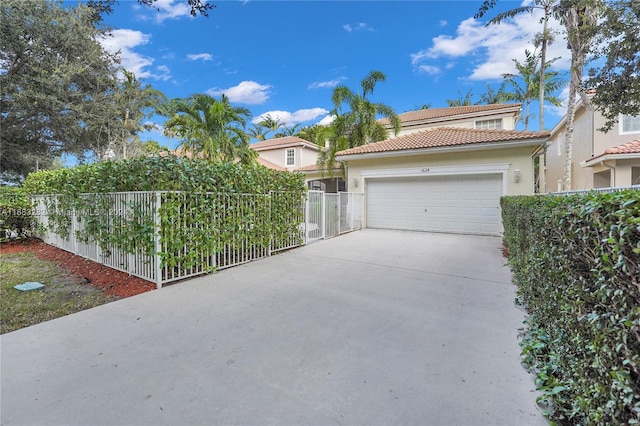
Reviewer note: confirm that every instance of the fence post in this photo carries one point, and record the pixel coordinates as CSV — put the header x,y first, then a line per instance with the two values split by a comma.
x,y
157,229
324,215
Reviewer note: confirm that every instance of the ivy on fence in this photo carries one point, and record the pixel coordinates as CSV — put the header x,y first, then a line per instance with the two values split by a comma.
x,y
576,261
201,209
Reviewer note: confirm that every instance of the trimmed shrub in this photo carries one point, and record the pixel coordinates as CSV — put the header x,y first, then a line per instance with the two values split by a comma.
x,y
16,214
205,207
576,261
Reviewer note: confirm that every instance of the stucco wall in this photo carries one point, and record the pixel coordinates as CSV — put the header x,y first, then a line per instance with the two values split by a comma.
x,y
516,158
303,157
508,123
588,141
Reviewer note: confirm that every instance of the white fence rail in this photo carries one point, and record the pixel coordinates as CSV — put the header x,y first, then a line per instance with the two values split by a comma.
x,y
170,236
605,190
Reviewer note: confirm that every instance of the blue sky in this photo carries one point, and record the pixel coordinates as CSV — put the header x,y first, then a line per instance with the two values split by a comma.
x,y
284,57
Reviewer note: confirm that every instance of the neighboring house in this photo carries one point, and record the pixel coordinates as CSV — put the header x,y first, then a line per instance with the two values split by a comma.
x,y
298,155
487,117
599,159
447,170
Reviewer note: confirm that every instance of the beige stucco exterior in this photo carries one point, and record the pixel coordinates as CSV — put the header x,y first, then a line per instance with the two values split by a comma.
x,y
506,162
304,156
588,142
454,162
509,121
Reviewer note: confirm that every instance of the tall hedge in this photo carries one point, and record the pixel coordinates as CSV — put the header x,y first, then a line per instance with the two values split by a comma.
x,y
576,261
157,173
203,211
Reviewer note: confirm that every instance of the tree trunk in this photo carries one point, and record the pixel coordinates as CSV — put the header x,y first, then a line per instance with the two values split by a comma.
x,y
574,84
543,60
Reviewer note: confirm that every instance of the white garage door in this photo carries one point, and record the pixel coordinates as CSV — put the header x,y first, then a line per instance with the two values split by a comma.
x,y
462,204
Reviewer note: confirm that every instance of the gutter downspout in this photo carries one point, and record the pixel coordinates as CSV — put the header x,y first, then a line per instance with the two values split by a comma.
x,y
542,166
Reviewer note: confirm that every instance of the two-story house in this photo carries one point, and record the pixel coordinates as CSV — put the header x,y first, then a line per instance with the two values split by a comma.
x,y
446,170
298,155
599,159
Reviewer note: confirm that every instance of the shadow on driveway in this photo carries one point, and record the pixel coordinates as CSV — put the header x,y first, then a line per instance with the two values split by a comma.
x,y
373,327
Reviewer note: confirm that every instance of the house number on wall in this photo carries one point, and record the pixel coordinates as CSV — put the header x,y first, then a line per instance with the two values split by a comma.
x,y
424,170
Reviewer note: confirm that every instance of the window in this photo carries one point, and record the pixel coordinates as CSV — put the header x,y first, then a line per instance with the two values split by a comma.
x,y
629,124
291,157
560,142
489,124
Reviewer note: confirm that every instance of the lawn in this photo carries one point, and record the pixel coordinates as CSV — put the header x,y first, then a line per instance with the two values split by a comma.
x,y
63,293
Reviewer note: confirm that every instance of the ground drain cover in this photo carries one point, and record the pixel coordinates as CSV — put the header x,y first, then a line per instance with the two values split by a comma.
x,y
29,285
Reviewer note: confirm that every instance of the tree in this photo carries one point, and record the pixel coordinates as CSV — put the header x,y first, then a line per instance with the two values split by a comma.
x,y
617,80
542,39
579,17
493,96
102,7
211,128
271,124
358,125
139,103
525,85
258,132
461,100
57,86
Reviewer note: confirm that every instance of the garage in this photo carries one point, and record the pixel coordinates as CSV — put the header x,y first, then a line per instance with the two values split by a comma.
x,y
467,204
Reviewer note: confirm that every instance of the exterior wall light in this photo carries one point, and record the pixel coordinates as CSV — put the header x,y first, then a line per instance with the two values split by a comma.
x,y
356,182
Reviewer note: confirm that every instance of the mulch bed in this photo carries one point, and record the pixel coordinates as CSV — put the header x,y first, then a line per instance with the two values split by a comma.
x,y
113,282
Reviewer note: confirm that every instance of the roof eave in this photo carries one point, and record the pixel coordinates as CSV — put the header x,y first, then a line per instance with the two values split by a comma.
x,y
431,150
608,157
288,145
515,109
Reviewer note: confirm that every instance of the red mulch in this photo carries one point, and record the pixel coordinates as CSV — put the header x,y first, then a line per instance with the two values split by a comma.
x,y
113,282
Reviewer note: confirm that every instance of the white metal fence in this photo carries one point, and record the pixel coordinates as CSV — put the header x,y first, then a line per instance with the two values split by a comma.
x,y
168,236
605,190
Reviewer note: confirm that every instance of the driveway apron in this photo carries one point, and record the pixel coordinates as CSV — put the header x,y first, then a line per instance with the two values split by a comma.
x,y
373,327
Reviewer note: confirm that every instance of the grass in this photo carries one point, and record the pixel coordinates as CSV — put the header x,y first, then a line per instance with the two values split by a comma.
x,y
63,294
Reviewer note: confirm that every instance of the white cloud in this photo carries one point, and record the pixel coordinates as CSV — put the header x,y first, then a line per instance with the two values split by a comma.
x,y
326,84
247,92
200,57
326,120
161,10
429,69
491,49
291,118
125,41
443,23
361,26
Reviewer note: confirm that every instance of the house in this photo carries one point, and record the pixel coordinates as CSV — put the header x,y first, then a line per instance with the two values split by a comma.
x,y
599,159
298,155
447,169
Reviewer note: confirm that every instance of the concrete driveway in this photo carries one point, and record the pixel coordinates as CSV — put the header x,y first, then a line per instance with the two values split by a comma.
x,y
370,328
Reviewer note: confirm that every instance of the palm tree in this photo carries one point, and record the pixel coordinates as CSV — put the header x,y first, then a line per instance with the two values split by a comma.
x,y
258,132
212,128
542,39
358,125
525,85
271,124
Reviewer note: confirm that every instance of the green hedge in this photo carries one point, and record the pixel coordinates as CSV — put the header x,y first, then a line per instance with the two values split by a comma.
x,y
157,173
203,211
576,261
16,214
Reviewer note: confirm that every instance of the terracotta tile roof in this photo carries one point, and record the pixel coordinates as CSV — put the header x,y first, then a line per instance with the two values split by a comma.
x,y
314,168
281,143
632,147
268,164
444,137
435,113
